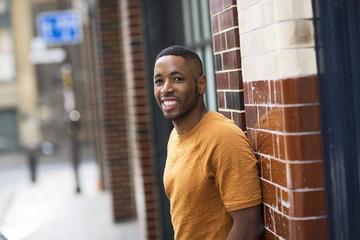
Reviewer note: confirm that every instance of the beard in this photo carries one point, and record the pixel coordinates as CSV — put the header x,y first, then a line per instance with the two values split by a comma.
x,y
185,106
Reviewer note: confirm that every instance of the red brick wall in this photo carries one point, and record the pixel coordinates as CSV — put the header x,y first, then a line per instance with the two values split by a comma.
x,y
226,45
139,115
93,97
282,122
114,102
288,145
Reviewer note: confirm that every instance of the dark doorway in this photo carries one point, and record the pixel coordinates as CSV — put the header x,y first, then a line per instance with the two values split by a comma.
x,y
163,27
338,47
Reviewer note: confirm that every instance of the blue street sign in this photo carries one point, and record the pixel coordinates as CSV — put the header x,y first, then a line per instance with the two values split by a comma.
x,y
60,27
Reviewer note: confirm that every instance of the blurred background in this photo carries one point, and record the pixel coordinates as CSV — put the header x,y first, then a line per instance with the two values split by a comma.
x,y
50,181
77,115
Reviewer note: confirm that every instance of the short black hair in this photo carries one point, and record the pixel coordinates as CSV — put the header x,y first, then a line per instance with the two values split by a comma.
x,y
186,53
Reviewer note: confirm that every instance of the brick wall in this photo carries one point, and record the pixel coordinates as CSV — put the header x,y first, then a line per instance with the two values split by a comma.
x,y
279,76
114,116
139,134
228,72
93,98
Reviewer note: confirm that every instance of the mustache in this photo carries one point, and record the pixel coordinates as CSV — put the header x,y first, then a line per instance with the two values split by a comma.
x,y
168,96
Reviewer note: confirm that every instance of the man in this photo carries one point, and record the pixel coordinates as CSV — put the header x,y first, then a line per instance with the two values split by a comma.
x,y
211,175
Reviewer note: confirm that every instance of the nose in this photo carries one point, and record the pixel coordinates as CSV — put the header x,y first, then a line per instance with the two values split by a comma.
x,y
167,87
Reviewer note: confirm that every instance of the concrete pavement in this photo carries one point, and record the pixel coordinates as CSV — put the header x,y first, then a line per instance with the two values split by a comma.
x,y
51,210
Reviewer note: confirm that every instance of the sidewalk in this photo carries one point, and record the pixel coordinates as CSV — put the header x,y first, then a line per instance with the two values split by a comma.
x,y
51,210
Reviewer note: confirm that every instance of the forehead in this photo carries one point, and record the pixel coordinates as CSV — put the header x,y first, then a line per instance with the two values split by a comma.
x,y
170,63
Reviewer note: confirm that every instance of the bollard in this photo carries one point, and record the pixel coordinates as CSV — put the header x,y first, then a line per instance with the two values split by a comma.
x,y
33,153
32,157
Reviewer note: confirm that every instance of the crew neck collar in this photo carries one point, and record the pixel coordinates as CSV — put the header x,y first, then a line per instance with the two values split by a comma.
x,y
196,127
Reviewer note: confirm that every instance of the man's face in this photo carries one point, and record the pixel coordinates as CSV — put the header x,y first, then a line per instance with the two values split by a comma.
x,y
174,87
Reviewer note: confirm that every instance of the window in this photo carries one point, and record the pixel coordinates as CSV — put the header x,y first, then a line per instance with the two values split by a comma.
x,y
8,132
198,37
7,63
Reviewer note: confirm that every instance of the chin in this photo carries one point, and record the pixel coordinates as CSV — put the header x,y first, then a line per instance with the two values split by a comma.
x,y
171,117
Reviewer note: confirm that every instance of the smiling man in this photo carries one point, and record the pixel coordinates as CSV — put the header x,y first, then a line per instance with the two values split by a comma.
x,y
211,175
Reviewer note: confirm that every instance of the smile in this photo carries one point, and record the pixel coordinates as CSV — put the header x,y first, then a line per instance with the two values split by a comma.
x,y
168,105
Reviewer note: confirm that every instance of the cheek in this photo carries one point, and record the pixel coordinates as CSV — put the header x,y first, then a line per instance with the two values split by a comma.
x,y
156,91
190,90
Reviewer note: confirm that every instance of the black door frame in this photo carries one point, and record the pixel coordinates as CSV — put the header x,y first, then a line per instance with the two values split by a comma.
x,y
337,28
163,27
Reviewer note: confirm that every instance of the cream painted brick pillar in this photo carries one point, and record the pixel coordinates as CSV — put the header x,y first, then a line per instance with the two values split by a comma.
x,y
29,128
282,114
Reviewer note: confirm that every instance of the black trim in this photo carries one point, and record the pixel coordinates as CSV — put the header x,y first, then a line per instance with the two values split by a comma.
x,y
163,27
337,27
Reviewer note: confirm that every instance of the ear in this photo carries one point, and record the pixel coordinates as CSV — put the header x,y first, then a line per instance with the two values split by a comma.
x,y
202,84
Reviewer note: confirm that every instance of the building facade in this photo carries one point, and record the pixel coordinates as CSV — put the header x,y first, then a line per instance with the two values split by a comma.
x,y
265,69
32,102
272,44
18,88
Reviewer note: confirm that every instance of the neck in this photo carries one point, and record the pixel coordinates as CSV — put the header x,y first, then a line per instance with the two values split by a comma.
x,y
184,125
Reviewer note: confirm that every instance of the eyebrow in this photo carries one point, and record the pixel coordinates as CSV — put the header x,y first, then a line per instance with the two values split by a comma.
x,y
171,74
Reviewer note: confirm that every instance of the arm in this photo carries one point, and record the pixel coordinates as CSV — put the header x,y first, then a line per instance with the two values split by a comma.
x,y
247,224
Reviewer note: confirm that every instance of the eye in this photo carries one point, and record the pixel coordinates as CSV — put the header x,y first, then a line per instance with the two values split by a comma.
x,y
158,81
178,79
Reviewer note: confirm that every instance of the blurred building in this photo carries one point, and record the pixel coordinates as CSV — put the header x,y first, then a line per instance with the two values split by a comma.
x,y
32,102
284,71
18,91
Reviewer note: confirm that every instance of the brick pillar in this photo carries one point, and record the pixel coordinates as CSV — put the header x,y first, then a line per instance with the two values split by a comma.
x,y
226,45
278,67
139,113
114,101
93,98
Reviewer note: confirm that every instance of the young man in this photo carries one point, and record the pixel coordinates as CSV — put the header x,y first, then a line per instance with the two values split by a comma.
x,y
211,175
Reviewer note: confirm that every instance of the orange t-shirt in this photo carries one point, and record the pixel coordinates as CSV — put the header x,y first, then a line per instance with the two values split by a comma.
x,y
210,171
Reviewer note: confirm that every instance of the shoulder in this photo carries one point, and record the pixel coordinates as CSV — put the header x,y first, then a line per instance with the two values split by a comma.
x,y
219,126
226,144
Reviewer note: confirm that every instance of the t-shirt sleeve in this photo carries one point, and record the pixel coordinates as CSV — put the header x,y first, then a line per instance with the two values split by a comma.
x,y
236,172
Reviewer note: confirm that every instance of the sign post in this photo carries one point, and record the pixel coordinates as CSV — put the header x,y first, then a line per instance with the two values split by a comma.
x,y
64,28
60,27
55,28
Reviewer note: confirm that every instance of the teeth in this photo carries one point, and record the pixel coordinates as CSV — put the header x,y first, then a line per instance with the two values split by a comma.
x,y
169,103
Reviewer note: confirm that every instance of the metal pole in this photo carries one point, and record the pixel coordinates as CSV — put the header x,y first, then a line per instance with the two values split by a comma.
x,y
73,117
